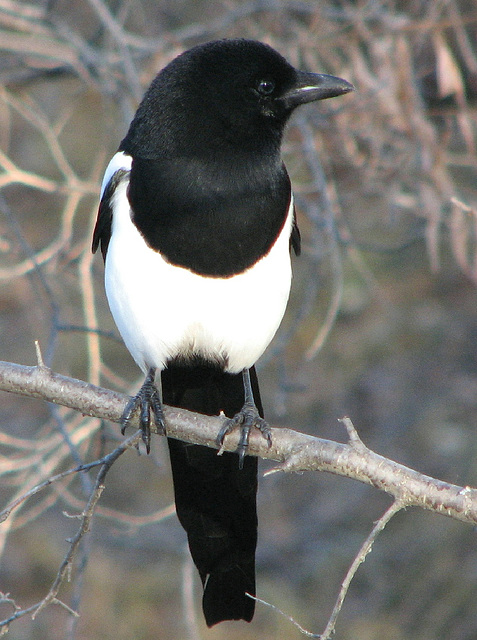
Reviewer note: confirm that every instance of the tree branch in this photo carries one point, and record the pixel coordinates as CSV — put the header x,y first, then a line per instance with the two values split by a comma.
x,y
295,451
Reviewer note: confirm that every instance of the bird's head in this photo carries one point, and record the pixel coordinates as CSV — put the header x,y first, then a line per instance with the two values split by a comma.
x,y
224,93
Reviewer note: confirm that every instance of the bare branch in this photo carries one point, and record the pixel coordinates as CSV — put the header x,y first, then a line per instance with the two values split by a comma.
x,y
296,451
86,518
358,560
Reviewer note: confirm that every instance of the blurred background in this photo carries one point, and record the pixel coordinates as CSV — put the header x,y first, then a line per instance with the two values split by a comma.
x,y
381,326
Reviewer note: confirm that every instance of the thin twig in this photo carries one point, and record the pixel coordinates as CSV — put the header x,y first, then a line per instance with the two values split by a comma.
x,y
85,526
396,506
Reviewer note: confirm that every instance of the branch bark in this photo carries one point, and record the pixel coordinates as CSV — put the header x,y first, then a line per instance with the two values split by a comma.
x,y
293,450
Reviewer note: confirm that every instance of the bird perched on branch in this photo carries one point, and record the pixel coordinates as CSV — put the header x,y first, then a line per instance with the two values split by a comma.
x,y
196,223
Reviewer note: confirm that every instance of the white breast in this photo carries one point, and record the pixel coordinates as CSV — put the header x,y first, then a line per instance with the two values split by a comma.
x,y
163,311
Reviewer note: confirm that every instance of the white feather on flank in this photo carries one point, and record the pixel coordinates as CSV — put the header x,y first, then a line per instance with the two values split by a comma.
x,y
163,311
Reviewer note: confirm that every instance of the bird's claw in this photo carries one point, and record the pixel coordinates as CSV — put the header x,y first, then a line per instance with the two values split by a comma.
x,y
147,400
246,419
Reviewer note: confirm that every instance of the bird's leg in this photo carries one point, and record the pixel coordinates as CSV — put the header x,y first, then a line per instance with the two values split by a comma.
x,y
147,398
246,418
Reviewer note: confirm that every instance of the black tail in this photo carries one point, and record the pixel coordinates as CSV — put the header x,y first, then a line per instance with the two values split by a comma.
x,y
215,500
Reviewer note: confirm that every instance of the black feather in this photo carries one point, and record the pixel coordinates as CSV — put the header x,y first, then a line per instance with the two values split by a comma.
x,y
102,229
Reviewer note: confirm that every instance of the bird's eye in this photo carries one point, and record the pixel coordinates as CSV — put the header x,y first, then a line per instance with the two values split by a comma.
x,y
266,87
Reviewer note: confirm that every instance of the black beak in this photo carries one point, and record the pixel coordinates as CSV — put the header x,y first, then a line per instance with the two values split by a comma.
x,y
314,86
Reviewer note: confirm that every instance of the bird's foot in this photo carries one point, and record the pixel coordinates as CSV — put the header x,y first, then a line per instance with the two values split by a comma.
x,y
246,419
146,400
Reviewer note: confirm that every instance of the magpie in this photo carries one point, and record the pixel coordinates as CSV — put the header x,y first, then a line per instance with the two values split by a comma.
x,y
196,224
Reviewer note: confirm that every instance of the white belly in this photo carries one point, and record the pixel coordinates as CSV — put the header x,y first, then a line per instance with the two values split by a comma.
x,y
164,311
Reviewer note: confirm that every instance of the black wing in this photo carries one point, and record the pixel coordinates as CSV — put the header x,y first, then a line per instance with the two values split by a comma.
x,y
102,230
295,237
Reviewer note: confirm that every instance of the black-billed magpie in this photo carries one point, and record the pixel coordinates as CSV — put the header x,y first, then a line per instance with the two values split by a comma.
x,y
196,223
